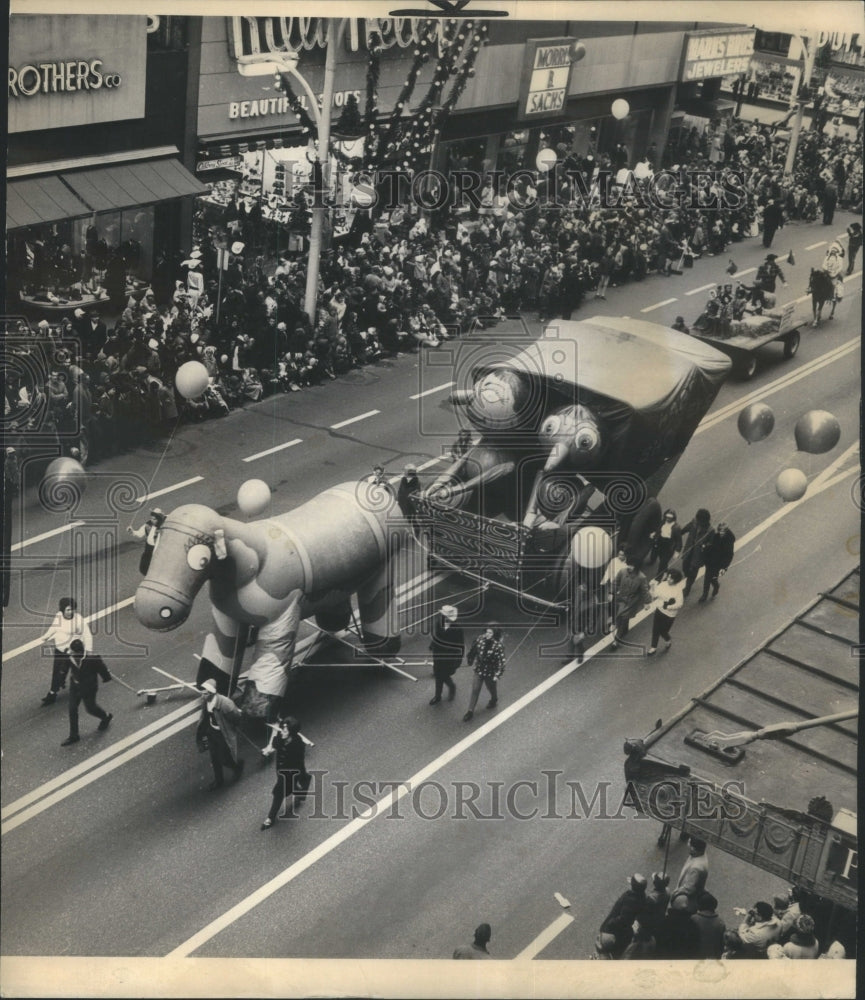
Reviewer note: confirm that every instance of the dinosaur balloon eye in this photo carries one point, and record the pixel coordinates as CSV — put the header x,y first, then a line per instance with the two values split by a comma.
x,y
551,426
587,439
198,557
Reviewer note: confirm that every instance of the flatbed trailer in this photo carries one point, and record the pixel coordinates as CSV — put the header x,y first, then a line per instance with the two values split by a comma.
x,y
741,348
763,764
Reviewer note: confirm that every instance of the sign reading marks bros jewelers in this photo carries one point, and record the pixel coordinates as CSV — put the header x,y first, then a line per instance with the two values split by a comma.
x,y
546,77
716,52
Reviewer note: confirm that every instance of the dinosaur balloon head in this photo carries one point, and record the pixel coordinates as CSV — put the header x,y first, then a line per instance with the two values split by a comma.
x,y
184,558
574,436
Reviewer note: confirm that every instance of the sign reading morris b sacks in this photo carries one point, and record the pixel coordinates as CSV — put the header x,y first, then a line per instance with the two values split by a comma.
x,y
546,77
716,52
68,70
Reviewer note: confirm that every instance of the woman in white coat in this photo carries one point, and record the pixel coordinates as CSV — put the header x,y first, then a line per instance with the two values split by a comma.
x,y
668,597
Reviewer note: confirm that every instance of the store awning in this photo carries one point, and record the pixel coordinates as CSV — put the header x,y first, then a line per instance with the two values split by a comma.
x,y
109,189
35,200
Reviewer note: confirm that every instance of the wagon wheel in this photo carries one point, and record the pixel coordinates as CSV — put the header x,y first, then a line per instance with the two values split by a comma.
x,y
791,344
746,367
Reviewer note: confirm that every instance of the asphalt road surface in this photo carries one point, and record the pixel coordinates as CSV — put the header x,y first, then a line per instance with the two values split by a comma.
x,y
115,847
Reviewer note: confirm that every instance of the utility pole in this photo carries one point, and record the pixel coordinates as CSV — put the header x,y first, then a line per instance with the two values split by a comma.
x,y
809,49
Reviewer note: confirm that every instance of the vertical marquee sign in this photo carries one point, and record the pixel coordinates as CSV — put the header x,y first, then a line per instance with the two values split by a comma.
x,y
546,77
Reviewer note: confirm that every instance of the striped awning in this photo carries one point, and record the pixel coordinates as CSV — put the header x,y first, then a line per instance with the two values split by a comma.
x,y
125,185
31,201
216,148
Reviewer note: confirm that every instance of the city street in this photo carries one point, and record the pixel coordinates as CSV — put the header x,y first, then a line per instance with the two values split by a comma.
x,y
115,847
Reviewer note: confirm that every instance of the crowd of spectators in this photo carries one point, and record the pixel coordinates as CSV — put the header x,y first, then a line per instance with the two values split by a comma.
x,y
401,279
660,921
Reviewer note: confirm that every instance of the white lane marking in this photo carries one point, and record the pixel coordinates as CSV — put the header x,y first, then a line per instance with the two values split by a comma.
x,y
658,305
814,246
781,383
429,392
270,451
96,773
47,534
385,805
430,463
12,653
702,288
353,420
169,489
747,270
549,934
95,760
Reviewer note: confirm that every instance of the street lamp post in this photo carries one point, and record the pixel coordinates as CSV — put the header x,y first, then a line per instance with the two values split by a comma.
x,y
286,62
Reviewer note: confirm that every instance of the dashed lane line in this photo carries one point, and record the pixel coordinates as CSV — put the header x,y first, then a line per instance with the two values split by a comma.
x,y
429,392
658,305
814,246
354,420
168,489
47,534
549,934
702,288
12,653
271,451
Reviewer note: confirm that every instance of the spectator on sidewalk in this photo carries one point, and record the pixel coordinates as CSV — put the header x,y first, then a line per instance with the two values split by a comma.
x,y
693,876
711,927
478,948
758,930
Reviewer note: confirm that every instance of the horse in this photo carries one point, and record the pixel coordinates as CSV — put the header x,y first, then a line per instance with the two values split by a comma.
x,y
823,289
269,574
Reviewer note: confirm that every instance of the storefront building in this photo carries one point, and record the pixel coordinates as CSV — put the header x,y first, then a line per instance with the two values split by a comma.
x,y
251,145
95,179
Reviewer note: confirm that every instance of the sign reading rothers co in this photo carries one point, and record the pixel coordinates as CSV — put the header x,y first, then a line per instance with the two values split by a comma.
x,y
716,52
69,70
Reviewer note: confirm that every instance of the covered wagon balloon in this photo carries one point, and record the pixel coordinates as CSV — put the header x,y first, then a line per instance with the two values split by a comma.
x,y
756,422
817,431
791,484
191,379
271,573
253,497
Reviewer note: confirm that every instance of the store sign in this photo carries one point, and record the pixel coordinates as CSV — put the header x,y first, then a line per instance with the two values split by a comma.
x,y
61,74
716,53
280,106
223,163
546,77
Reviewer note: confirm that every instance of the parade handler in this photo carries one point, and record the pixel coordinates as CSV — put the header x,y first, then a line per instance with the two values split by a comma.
x,y
217,732
85,669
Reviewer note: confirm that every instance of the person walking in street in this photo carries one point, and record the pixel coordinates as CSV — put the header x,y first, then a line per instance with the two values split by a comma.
x,y
487,654
292,777
668,603
149,532
85,669
854,244
693,876
631,591
217,733
447,647
409,486
68,624
697,531
478,948
830,200
666,542
717,555
773,218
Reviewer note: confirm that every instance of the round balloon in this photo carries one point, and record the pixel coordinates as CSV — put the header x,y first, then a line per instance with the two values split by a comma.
x,y
191,379
817,431
756,422
791,484
253,497
579,52
620,108
592,547
546,160
62,485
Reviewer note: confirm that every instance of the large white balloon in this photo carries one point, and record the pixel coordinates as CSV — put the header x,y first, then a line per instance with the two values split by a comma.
x,y
791,484
191,379
546,159
253,497
592,547
620,108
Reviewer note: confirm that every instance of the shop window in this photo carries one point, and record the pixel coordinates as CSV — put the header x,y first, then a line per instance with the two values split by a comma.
x,y
166,34
513,151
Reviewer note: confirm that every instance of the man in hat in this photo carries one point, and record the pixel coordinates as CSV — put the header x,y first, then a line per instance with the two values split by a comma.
x,y
409,486
478,948
447,647
217,732
68,624
84,673
854,231
292,777
149,531
773,218
768,273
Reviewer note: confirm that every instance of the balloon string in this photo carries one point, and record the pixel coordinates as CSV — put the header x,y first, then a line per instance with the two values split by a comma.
x,y
159,463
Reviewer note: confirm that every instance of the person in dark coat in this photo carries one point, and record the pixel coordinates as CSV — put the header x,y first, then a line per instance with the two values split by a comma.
x,y
773,218
717,555
666,542
217,732
677,936
291,774
698,531
448,648
85,669
711,927
854,231
626,909
830,200
409,486
149,532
